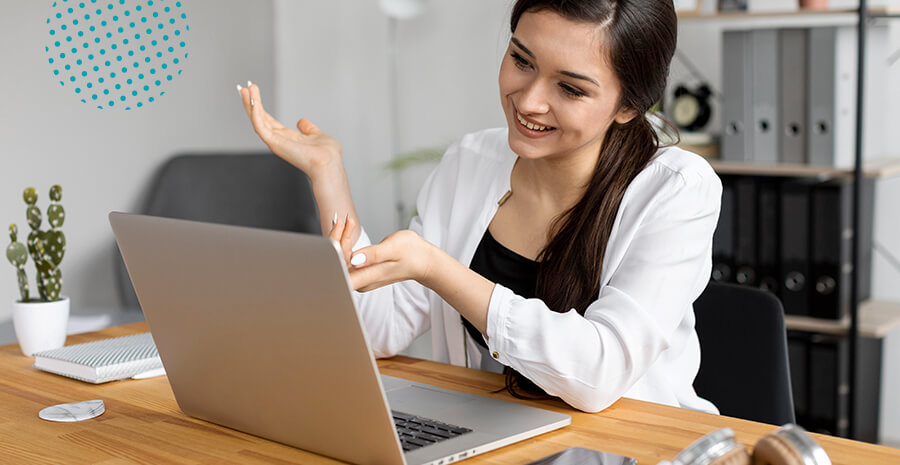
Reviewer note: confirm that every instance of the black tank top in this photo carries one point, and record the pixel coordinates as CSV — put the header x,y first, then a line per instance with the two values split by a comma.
x,y
502,266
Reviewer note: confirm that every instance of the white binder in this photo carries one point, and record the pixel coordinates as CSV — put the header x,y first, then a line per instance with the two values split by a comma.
x,y
737,114
764,43
792,94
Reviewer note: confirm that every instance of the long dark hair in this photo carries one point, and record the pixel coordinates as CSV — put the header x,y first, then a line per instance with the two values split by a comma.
x,y
641,37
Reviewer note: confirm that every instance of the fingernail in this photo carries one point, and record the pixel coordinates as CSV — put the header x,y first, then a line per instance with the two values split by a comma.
x,y
334,220
239,88
358,259
249,83
252,102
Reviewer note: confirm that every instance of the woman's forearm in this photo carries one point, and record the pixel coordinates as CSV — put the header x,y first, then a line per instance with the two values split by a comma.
x,y
465,290
332,191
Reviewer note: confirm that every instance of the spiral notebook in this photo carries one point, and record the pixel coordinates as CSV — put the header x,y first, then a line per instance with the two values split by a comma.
x,y
102,361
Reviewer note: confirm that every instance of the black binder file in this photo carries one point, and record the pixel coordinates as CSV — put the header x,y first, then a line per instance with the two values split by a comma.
x,y
794,235
767,238
723,238
745,233
832,240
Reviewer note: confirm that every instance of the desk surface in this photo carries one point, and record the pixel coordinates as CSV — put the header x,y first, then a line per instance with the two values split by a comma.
x,y
143,423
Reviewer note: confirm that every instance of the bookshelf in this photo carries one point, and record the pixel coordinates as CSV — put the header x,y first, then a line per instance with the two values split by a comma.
x,y
867,322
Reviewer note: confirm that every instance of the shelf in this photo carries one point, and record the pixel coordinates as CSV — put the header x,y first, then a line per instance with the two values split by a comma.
x,y
739,20
879,168
877,318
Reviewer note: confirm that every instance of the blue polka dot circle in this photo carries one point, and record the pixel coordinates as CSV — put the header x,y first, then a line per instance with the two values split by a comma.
x,y
117,53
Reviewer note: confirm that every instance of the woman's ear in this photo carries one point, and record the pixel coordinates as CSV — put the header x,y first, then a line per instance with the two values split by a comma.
x,y
625,115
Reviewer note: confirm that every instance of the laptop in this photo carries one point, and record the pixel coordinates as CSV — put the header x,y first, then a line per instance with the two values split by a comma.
x,y
258,331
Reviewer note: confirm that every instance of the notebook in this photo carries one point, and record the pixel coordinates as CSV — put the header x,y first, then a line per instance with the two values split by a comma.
x,y
259,332
102,361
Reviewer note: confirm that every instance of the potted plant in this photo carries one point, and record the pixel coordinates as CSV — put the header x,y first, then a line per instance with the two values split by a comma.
x,y
40,321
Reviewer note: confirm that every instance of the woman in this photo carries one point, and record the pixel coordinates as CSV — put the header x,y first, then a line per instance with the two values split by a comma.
x,y
586,242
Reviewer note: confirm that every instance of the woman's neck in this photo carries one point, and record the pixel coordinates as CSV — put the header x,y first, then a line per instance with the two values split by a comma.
x,y
555,183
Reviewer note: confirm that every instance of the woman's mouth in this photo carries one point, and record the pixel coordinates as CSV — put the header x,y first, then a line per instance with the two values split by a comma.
x,y
530,129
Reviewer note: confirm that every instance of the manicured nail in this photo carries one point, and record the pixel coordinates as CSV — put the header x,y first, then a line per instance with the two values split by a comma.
x,y
334,220
358,259
239,88
249,83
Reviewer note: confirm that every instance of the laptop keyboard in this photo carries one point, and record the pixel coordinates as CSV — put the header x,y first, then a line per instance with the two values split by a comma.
x,y
416,432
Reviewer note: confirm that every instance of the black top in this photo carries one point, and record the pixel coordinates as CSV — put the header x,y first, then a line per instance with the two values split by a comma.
x,y
502,266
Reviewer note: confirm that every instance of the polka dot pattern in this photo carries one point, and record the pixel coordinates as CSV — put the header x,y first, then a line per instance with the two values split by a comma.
x,y
117,53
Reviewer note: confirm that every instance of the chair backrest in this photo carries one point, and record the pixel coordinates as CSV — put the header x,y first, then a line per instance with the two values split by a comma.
x,y
256,189
744,366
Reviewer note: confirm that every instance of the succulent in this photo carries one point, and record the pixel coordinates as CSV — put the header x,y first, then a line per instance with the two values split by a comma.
x,y
46,248
17,254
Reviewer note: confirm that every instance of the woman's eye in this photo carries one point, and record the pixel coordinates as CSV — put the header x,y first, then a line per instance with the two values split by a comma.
x,y
521,63
571,91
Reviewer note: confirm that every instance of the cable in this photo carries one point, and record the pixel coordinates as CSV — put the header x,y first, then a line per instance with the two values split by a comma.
x,y
892,260
696,74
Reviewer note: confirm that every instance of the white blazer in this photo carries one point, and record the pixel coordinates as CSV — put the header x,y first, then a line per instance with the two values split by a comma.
x,y
636,340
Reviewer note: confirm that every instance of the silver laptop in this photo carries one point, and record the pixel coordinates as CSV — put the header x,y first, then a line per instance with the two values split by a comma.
x,y
258,331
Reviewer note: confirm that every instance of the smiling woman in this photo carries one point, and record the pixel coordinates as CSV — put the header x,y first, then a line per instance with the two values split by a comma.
x,y
566,249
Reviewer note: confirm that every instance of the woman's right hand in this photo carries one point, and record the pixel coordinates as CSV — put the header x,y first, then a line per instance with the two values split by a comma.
x,y
307,148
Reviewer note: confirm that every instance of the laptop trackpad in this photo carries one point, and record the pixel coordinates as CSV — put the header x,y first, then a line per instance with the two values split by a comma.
x,y
420,399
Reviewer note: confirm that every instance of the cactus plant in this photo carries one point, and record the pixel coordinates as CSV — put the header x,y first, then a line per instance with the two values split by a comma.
x,y
17,254
46,248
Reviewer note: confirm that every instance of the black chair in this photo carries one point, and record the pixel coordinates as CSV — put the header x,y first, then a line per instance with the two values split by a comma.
x,y
744,366
256,190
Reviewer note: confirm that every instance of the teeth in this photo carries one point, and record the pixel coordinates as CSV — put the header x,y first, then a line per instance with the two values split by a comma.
x,y
532,126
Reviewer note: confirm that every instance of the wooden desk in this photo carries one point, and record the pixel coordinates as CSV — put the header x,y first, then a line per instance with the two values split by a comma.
x,y
143,424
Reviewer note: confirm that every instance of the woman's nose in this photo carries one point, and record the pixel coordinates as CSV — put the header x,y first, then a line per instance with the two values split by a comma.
x,y
533,99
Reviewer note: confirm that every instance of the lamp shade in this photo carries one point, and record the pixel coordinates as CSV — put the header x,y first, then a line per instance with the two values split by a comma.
x,y
402,9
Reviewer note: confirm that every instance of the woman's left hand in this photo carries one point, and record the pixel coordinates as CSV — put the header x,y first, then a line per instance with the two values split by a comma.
x,y
401,256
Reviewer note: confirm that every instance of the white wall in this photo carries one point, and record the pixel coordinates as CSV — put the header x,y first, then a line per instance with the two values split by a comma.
x,y
105,159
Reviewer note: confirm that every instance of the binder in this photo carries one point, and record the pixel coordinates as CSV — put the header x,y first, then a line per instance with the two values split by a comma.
x,y
792,92
832,242
764,44
723,238
842,80
794,236
823,82
745,231
736,87
832,236
767,234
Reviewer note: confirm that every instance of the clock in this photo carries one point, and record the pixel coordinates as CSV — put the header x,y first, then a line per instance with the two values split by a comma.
x,y
691,110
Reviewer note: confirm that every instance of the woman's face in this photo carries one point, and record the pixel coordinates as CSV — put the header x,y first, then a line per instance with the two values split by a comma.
x,y
556,79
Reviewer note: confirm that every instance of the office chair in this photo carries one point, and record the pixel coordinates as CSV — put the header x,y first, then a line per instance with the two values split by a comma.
x,y
744,368
257,190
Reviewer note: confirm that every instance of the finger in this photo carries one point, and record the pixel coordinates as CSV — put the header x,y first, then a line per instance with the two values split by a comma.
x,y
375,276
307,127
337,230
346,237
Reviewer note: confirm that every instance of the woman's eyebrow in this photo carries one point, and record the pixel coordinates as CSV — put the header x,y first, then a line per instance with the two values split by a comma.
x,y
567,73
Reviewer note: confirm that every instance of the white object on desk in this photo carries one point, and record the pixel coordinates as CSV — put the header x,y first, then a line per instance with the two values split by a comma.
x,y
77,411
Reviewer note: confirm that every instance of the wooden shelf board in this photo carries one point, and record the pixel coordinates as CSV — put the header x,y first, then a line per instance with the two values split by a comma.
x,y
877,318
881,168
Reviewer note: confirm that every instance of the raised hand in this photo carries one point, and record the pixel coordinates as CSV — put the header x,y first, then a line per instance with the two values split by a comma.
x,y
310,150
306,147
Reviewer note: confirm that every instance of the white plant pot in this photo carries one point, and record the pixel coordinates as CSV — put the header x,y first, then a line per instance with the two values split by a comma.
x,y
41,325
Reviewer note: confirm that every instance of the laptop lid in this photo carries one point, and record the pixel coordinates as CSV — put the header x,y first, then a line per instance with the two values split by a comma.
x,y
258,331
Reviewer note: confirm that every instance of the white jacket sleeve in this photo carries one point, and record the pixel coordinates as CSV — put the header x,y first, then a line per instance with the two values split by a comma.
x,y
592,360
395,315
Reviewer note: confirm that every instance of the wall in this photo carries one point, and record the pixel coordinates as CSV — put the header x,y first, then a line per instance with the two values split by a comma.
x,y
105,159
